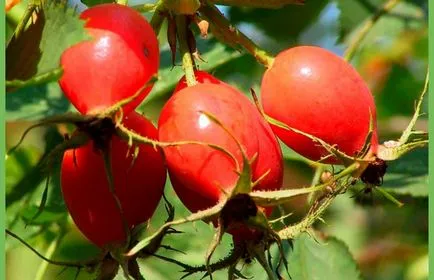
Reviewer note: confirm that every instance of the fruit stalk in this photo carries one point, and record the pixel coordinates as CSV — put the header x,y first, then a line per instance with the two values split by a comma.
x,y
216,18
187,60
361,34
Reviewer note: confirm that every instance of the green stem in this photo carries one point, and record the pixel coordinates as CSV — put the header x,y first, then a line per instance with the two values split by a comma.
x,y
315,213
59,263
219,21
36,80
361,34
187,60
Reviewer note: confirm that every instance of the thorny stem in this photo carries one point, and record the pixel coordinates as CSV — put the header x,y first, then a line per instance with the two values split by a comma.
x,y
215,17
59,263
187,59
208,213
272,198
315,213
361,34
230,259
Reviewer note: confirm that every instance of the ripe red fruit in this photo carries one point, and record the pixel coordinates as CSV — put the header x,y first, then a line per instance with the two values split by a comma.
x,y
127,23
138,183
121,58
200,173
317,92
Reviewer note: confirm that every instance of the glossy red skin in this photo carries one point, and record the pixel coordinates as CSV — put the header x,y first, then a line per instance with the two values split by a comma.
x,y
127,23
96,77
139,185
317,92
202,77
198,173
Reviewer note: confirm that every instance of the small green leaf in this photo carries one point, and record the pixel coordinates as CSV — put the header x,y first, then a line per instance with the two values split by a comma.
x,y
325,259
37,51
25,171
349,19
408,175
39,48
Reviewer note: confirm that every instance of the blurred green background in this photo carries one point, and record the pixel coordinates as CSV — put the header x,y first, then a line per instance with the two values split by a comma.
x,y
387,242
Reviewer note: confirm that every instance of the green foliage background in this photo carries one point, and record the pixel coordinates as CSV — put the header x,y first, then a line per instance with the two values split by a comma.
x,y
369,238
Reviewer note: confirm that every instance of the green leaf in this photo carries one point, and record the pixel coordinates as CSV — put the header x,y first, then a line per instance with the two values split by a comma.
x,y
25,170
47,216
408,175
91,3
282,24
405,16
325,259
349,19
36,103
401,87
38,49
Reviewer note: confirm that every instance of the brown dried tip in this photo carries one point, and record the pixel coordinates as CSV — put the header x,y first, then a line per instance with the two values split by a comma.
x,y
374,173
171,37
203,27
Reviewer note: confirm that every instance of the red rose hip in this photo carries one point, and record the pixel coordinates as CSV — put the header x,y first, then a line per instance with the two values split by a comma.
x,y
138,184
119,59
201,174
315,91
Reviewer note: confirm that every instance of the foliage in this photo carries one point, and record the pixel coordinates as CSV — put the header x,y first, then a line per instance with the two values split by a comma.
x,y
350,244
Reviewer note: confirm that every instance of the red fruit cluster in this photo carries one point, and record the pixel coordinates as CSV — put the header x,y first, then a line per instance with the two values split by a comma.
x,y
115,64
306,88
